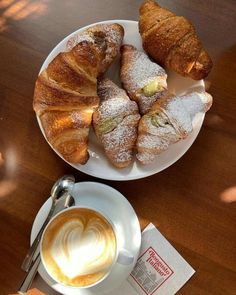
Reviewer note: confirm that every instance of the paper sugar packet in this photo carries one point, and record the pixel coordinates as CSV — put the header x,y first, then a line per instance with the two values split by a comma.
x,y
160,269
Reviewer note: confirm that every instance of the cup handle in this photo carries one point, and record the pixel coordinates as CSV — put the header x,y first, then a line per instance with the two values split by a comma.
x,y
125,257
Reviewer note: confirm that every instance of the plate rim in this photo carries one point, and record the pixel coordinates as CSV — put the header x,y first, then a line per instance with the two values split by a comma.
x,y
91,172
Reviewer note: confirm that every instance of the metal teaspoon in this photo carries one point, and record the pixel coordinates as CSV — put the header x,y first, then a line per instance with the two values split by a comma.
x,y
63,185
28,279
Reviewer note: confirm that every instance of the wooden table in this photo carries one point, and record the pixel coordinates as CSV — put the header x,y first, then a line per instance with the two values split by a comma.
x,y
192,203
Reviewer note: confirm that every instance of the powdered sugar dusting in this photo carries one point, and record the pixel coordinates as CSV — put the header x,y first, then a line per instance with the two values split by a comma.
x,y
113,34
142,70
145,103
113,39
130,120
107,90
152,142
145,158
196,102
179,116
116,106
115,103
119,137
123,156
167,132
73,41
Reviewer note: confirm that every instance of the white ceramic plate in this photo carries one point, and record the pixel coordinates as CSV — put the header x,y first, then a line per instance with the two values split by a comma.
x,y
116,207
98,164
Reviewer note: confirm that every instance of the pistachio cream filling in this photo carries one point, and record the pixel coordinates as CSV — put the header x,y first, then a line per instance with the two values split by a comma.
x,y
159,120
108,125
152,87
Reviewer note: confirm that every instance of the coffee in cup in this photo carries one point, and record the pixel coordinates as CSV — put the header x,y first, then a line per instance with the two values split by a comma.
x,y
79,247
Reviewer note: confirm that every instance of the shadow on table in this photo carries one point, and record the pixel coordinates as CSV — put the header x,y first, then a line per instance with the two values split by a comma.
x,y
222,87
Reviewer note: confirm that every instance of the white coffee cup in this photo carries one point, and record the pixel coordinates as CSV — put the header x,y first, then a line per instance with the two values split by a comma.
x,y
68,226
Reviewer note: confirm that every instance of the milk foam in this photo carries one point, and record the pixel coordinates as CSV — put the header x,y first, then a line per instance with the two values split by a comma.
x,y
82,246
79,251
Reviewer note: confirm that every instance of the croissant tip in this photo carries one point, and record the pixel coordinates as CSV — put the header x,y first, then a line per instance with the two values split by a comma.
x,y
77,158
121,28
147,4
201,71
208,99
117,27
127,47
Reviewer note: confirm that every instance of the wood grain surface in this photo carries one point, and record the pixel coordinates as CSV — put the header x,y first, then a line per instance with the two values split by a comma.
x,y
192,203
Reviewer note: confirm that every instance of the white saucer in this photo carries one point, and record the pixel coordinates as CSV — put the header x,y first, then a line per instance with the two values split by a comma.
x,y
116,207
98,165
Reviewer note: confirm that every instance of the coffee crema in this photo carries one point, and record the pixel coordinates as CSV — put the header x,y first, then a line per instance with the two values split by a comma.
x,y
79,247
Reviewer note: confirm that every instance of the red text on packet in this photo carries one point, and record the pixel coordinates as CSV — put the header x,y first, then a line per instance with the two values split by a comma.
x,y
157,264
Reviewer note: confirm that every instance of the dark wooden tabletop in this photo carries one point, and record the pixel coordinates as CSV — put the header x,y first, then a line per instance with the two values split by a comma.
x,y
192,203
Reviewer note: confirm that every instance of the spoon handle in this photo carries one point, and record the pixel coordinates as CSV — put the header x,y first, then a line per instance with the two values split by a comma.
x,y
30,254
27,281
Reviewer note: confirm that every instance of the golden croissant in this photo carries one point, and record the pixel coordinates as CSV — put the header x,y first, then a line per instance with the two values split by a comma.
x,y
168,121
65,94
172,41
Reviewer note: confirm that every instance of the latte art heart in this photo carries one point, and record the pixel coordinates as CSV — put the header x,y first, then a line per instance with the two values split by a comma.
x,y
79,247
81,251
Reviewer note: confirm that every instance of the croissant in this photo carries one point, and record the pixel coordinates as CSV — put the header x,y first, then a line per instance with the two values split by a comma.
x,y
116,123
172,41
144,80
65,95
168,121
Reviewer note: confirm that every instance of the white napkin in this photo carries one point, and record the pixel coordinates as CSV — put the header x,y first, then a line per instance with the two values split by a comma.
x,y
159,270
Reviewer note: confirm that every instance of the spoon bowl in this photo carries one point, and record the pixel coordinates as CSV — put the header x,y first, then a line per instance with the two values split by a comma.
x,y
62,185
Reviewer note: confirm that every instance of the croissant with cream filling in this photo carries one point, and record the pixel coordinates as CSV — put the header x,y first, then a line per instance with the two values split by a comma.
x,y
168,121
116,123
144,80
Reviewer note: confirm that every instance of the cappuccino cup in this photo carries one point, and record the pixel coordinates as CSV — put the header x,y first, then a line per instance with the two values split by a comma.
x,y
80,247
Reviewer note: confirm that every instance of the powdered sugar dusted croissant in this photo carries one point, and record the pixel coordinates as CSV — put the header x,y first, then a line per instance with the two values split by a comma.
x,y
144,80
116,123
168,121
